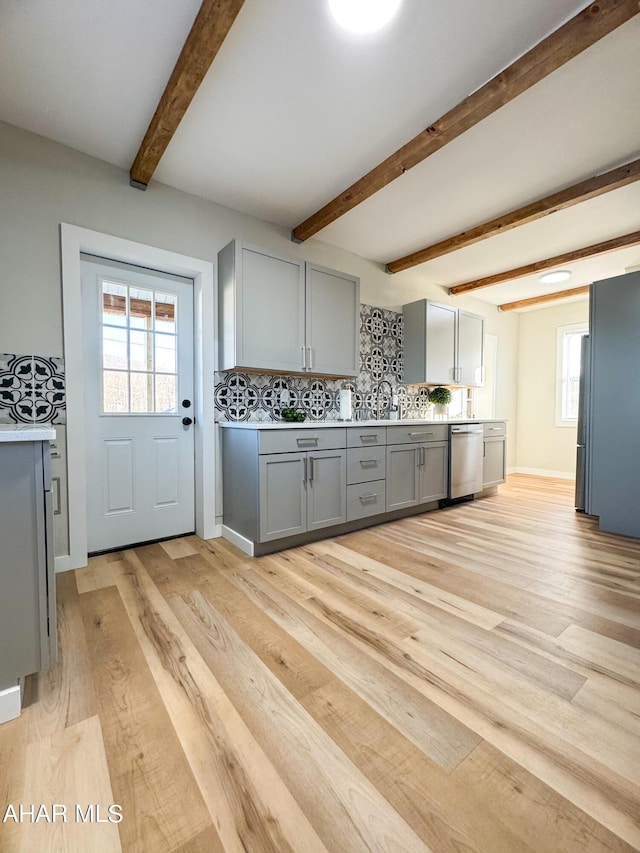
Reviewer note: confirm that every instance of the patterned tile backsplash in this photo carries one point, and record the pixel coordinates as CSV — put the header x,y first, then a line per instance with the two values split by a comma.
x,y
256,397
32,389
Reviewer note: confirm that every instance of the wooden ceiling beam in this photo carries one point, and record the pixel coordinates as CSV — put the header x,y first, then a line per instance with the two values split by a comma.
x,y
623,242
546,297
209,30
579,33
561,200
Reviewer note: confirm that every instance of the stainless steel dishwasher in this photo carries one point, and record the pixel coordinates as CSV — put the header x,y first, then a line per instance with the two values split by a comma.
x,y
466,460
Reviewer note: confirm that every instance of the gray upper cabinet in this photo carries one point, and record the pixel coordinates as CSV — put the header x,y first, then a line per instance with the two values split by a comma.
x,y
470,349
443,345
332,322
261,310
281,315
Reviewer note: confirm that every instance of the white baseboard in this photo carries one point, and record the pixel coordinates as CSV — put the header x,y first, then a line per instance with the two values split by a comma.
x,y
10,704
62,564
544,472
245,545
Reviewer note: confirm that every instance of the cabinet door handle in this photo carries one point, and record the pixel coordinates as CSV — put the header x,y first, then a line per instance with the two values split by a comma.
x,y
304,357
57,508
304,470
310,365
311,469
422,457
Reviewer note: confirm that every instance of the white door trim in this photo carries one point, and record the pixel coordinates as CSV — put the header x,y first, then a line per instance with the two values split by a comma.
x,y
73,241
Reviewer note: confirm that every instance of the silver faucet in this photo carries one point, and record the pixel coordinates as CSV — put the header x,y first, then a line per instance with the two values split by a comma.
x,y
378,397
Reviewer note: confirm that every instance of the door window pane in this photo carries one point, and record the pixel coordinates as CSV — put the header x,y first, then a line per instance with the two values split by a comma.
x,y
166,305
166,402
141,392
115,391
114,348
140,302
114,304
165,353
140,351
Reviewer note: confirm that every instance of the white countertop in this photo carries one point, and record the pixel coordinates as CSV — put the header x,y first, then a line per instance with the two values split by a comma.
x,y
359,424
26,432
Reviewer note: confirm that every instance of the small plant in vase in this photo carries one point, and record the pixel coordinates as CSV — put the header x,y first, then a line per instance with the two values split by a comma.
x,y
440,397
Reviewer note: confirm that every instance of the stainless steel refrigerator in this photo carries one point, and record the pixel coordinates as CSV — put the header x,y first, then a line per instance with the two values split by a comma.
x,y
584,396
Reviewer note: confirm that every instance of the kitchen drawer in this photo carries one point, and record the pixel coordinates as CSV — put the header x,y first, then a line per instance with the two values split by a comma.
x,y
366,436
417,433
365,464
295,440
495,430
366,499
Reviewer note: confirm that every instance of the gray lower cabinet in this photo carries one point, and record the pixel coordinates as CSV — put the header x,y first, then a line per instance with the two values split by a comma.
x,y
416,473
282,506
494,463
301,492
27,579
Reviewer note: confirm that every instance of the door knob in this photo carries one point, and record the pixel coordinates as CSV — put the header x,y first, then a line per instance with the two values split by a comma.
x,y
186,404
187,421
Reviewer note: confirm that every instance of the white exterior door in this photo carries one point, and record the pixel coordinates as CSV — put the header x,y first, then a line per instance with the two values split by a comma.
x,y
138,364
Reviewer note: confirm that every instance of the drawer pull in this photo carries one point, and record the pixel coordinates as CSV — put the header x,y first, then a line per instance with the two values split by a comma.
x,y
371,439
421,433
369,463
495,429
370,497
312,440
57,504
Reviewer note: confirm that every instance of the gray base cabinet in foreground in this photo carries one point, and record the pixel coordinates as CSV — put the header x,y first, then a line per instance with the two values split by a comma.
x,y
283,487
27,580
287,486
494,463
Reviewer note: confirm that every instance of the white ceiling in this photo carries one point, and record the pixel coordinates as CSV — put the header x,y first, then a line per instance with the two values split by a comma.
x,y
293,110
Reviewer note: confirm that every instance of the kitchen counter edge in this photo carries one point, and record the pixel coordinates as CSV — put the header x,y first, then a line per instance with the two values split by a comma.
x,y
350,424
18,432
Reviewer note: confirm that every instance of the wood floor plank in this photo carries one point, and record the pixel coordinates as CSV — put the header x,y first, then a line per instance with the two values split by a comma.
x,y
423,591
162,805
65,694
421,721
96,575
69,767
223,755
322,778
177,548
461,680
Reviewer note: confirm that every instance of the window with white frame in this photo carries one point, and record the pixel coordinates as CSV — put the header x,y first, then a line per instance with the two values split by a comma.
x,y
568,372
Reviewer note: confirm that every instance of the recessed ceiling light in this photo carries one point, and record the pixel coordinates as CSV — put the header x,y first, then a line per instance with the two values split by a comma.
x,y
555,276
363,16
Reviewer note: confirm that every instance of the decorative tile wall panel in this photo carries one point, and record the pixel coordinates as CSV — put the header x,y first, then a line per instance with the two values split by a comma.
x,y
32,389
256,397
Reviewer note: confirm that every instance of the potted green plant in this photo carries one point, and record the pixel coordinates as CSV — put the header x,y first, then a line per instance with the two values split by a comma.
x,y
440,397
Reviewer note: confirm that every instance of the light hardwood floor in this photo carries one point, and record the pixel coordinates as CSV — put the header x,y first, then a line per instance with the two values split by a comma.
x,y
464,680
